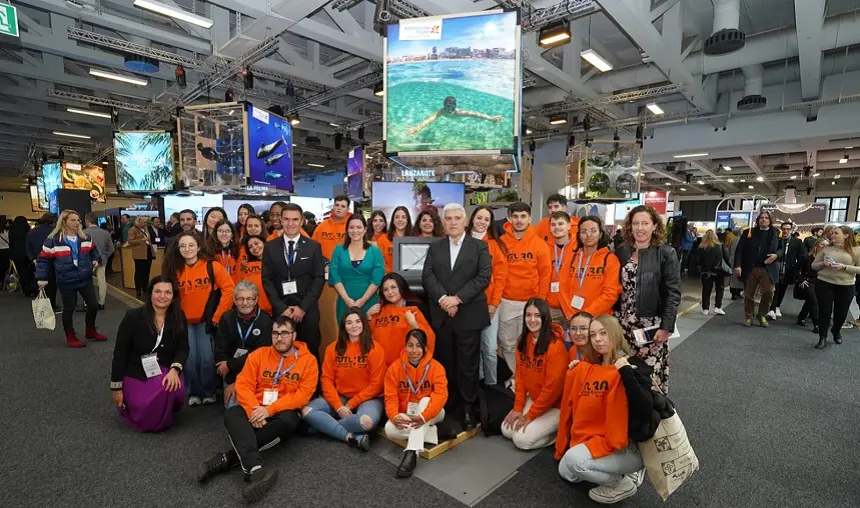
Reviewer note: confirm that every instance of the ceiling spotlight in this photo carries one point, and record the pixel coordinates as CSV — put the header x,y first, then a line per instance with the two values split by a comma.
x,y
378,90
794,177
597,61
528,131
295,120
180,76
558,119
731,180
833,182
837,177
727,168
760,179
683,189
844,159
654,108
554,36
247,78
105,163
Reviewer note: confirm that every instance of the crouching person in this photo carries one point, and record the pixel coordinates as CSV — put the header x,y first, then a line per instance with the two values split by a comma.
x,y
275,383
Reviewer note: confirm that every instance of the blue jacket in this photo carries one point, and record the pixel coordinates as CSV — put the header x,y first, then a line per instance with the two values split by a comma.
x,y
57,252
687,240
35,238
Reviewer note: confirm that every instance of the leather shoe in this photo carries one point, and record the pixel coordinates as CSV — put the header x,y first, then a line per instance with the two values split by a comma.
x,y
837,337
469,422
407,465
822,341
801,322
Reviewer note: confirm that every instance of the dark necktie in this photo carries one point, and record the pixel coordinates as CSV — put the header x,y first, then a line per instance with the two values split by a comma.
x,y
291,252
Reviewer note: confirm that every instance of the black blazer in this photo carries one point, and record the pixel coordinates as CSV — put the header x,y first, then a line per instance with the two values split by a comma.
x,y
468,279
658,282
308,271
790,262
135,339
227,340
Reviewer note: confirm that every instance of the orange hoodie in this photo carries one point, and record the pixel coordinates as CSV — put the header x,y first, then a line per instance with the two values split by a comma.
x,y
330,234
228,262
295,388
397,391
499,275
601,286
529,265
194,289
544,231
357,376
541,377
389,329
593,411
387,248
560,274
252,271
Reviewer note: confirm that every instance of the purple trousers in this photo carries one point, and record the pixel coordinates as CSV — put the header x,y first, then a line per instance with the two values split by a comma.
x,y
148,407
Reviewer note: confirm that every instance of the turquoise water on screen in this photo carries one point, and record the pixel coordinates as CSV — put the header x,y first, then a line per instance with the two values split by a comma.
x,y
418,89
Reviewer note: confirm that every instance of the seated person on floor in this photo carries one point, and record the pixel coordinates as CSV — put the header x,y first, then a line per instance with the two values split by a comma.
x,y
275,383
416,390
151,348
396,313
577,333
242,329
538,380
592,443
353,373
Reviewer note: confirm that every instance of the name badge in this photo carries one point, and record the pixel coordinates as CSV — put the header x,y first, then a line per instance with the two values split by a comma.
x,y
577,302
553,287
289,287
412,409
240,352
270,396
150,365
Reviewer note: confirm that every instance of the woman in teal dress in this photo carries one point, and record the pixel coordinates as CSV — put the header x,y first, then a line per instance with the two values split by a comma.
x,y
356,268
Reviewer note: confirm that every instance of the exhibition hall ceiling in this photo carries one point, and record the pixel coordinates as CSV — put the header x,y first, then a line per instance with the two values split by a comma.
x,y
322,60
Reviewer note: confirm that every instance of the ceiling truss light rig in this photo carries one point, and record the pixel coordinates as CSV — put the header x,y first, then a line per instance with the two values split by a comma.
x,y
597,61
654,108
118,77
558,119
174,12
552,36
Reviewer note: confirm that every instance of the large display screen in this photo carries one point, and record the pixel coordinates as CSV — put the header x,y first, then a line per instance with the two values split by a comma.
x,y
355,173
41,193
736,221
53,180
144,161
34,199
88,178
270,149
452,84
197,203
416,196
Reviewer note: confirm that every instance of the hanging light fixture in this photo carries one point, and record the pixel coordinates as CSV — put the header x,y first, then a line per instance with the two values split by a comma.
x,y
247,78
555,35
180,76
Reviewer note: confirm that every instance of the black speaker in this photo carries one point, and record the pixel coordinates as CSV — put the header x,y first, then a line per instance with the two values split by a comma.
x,y
77,200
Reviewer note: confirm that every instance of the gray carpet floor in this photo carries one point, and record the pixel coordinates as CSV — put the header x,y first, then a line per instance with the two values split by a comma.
x,y
773,421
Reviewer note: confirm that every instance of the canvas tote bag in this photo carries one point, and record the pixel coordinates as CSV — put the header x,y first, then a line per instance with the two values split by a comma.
x,y
43,312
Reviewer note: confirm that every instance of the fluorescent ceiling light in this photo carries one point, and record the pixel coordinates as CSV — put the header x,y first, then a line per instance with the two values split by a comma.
x,y
315,165
334,125
654,108
88,112
558,119
554,39
760,178
690,155
118,77
750,186
815,174
849,147
843,160
700,182
70,135
727,168
174,12
794,177
590,56
837,177
105,163
731,180
683,189
528,131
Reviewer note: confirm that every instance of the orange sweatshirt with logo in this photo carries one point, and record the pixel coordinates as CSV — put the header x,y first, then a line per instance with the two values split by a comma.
x,y
353,374
561,298
389,329
295,388
541,378
544,231
252,271
593,411
499,275
601,285
195,287
398,395
529,265
387,248
330,233
228,262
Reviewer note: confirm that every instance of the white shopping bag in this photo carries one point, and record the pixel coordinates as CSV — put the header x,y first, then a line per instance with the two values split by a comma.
x,y
43,312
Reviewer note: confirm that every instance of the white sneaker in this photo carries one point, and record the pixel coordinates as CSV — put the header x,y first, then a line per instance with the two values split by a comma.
x,y
209,400
719,311
778,312
847,324
194,401
638,477
704,312
611,494
771,315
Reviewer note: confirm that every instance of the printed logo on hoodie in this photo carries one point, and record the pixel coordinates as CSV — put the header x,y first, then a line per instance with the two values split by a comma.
x,y
531,363
514,257
346,362
403,386
329,236
202,283
386,320
291,378
597,389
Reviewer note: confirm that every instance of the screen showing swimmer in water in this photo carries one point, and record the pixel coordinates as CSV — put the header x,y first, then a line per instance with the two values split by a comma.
x,y
452,83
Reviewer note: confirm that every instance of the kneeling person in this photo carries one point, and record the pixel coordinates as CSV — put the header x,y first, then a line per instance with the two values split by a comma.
x,y
274,384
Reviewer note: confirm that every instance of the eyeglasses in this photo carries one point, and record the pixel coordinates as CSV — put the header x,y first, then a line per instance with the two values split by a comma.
x,y
579,329
282,335
588,232
246,300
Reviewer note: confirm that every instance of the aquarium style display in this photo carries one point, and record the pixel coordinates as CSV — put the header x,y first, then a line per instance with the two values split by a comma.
x,y
605,169
211,145
53,182
452,84
270,149
144,161
88,178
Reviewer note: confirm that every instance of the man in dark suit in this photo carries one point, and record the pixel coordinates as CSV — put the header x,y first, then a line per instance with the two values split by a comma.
x,y
456,272
791,254
293,277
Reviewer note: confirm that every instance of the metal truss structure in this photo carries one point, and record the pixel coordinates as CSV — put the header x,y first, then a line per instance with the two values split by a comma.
x,y
333,93
575,104
400,9
98,101
342,5
565,10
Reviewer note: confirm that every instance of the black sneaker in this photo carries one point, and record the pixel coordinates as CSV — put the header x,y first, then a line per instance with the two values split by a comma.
x,y
218,464
362,442
261,481
101,307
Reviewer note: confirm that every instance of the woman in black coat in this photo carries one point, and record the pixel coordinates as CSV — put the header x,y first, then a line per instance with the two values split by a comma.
x,y
709,257
18,255
805,286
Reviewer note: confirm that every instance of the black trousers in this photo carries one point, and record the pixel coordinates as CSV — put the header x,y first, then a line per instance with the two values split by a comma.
x,y
248,442
810,305
26,275
709,282
89,295
141,273
5,257
778,295
459,352
832,300
308,331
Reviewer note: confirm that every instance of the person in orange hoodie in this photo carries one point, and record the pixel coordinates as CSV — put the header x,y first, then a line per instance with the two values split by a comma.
x,y
555,203
592,444
529,273
378,226
416,391
481,227
331,232
187,266
352,378
275,383
594,283
224,246
394,315
401,225
576,340
250,268
539,380
562,252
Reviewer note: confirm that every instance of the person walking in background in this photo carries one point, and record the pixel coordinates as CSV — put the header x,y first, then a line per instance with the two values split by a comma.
x,y
104,243
807,277
837,265
73,256
5,251
331,232
356,268
791,256
140,242
736,287
688,238
35,239
710,257
18,255
755,265
816,234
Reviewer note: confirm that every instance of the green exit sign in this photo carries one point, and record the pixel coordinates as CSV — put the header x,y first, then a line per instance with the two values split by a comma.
x,y
8,20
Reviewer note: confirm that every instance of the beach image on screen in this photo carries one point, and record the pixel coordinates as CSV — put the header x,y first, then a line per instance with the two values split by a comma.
x,y
270,149
144,161
416,196
52,176
451,84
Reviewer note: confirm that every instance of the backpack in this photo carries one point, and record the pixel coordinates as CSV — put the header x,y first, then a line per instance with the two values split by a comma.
x,y
496,401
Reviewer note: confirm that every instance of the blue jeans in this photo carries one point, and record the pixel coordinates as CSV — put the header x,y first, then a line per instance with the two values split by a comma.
x,y
323,417
489,351
200,368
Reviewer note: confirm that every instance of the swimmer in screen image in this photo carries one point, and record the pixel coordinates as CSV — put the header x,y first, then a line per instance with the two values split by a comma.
x,y
449,109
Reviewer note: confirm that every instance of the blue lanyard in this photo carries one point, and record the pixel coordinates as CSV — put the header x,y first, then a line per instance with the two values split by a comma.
x,y
247,333
559,259
412,387
581,275
279,373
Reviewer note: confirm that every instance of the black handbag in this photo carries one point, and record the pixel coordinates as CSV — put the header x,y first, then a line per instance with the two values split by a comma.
x,y
212,302
800,293
496,401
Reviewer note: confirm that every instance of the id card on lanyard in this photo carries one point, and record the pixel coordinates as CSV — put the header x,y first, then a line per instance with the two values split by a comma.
x,y
289,286
227,261
412,407
271,395
554,286
242,351
150,361
578,302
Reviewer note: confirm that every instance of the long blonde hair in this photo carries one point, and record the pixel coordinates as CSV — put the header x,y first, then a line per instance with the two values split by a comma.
x,y
709,240
849,243
59,228
617,345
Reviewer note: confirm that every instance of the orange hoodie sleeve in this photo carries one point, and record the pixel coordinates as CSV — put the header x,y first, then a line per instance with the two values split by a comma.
x,y
376,359
544,268
562,438
500,274
440,392
392,398
614,437
329,391
307,386
610,290
519,386
553,381
246,381
225,284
